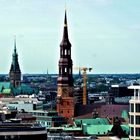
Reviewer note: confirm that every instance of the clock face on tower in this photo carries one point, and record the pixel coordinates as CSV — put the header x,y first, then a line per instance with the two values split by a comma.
x,y
59,91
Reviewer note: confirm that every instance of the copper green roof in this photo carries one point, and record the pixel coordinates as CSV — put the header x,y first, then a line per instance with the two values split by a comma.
x,y
6,91
124,114
72,128
23,89
101,129
4,85
97,121
96,129
125,128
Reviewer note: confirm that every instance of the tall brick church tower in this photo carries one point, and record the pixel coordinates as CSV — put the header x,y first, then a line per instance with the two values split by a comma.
x,y
65,98
15,73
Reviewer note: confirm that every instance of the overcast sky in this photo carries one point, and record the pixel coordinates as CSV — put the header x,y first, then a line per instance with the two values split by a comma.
x,y
105,34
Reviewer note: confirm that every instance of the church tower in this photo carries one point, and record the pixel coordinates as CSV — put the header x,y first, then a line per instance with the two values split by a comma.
x,y
65,98
15,73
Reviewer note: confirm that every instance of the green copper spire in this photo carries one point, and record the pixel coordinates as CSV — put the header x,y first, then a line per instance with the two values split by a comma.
x,y
15,73
15,64
15,50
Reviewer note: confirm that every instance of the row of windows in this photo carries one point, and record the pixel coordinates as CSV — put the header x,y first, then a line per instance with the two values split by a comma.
x,y
137,132
39,114
137,119
137,107
65,111
44,123
65,52
66,103
65,70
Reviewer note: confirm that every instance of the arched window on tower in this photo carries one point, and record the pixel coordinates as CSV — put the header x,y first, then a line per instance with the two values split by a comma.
x,y
61,51
68,52
69,70
60,70
65,51
65,70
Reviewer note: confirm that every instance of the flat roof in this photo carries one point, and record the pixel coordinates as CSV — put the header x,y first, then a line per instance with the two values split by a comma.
x,y
114,85
134,87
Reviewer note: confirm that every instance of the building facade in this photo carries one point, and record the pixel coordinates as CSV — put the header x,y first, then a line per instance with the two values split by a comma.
x,y
134,113
65,98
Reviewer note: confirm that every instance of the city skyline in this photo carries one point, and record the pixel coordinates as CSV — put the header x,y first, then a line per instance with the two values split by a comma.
x,y
104,34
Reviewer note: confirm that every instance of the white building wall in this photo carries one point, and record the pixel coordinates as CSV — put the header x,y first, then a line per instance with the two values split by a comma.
x,y
19,106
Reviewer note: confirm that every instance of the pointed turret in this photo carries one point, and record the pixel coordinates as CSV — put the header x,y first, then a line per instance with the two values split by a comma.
x,y
15,73
65,39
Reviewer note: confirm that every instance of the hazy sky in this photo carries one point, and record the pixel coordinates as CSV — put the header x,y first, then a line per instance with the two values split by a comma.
x,y
105,34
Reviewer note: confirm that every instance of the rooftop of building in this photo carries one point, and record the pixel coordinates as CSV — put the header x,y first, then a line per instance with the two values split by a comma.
x,y
97,121
6,88
103,110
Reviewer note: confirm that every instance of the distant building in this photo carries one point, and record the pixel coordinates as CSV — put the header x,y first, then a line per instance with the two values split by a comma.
x,y
120,91
15,86
98,127
48,119
65,98
78,94
22,103
22,131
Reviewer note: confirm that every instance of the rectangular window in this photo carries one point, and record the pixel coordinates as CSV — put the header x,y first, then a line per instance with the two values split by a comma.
x,y
131,107
137,119
65,69
137,107
131,119
137,131
132,131
65,52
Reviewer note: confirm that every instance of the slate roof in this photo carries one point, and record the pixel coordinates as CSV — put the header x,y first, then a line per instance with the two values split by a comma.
x,y
112,110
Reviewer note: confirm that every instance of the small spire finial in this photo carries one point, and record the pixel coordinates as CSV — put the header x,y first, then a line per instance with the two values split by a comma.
x,y
65,6
15,42
65,21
